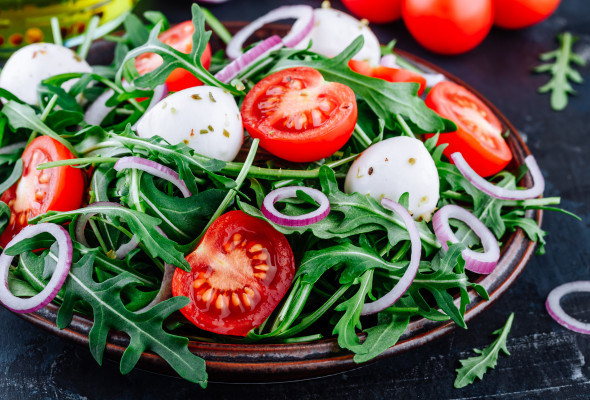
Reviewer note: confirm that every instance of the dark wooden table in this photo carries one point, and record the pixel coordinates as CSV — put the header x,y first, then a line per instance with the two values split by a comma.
x,y
547,361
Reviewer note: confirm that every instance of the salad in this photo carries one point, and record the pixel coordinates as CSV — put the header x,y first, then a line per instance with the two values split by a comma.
x,y
291,192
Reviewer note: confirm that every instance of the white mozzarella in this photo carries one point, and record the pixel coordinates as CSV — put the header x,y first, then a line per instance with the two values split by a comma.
x,y
27,67
205,118
334,30
393,167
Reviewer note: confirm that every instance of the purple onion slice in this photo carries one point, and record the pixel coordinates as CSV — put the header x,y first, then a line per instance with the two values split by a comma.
x,y
558,313
64,262
273,215
500,192
481,263
408,277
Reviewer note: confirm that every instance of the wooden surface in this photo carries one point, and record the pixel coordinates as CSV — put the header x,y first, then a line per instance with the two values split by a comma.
x,y
547,361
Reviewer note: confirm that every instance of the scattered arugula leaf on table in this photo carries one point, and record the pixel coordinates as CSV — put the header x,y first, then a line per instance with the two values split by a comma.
x,y
561,71
476,367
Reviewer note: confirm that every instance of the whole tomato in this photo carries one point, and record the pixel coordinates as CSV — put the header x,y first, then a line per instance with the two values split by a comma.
x,y
448,26
378,11
516,14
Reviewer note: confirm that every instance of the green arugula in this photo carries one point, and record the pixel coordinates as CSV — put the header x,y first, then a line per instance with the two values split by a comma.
x,y
388,100
476,367
175,59
381,336
561,71
144,329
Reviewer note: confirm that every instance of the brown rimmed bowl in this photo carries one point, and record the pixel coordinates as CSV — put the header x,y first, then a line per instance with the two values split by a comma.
x,y
284,362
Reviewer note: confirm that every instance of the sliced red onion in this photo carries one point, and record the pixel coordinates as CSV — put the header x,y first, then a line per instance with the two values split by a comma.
x,y
153,168
273,215
558,313
12,147
98,110
302,13
433,79
389,61
57,280
82,221
408,277
232,70
500,192
165,288
481,263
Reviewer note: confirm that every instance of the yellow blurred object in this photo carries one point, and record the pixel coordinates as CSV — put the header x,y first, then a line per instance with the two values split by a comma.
x,y
24,22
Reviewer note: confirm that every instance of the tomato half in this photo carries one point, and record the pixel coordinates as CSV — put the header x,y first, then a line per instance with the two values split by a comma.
x,y
479,132
36,192
240,271
448,26
388,74
179,37
298,116
516,14
378,11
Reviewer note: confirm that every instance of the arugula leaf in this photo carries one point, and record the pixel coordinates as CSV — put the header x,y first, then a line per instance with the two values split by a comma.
x,y
183,219
346,326
19,287
515,219
4,215
386,99
173,58
13,177
144,329
381,337
476,367
561,71
142,226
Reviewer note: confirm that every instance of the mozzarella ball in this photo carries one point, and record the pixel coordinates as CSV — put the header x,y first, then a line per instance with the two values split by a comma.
x,y
393,167
30,65
205,118
334,30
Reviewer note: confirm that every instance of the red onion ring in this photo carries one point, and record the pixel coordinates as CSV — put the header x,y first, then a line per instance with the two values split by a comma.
x,y
481,263
98,110
500,192
301,28
57,280
557,312
273,215
153,168
389,61
408,277
232,70
82,221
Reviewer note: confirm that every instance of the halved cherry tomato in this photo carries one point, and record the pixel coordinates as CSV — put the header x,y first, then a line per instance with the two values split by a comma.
x,y
388,74
36,192
179,37
240,271
448,26
479,132
515,14
378,11
298,116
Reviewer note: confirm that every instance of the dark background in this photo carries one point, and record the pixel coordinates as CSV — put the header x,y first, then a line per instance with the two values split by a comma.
x,y
547,361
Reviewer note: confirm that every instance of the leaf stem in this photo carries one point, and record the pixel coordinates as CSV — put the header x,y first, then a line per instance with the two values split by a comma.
x,y
405,128
56,31
78,161
85,46
216,26
362,137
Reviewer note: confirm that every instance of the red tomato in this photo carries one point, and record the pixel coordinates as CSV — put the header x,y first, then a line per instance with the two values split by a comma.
x,y
36,192
448,26
179,37
515,14
239,273
479,132
388,74
298,116
379,11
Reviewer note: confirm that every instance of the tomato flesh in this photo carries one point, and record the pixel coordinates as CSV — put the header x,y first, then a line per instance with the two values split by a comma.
x,y
180,38
239,273
448,26
39,191
388,74
298,116
479,133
